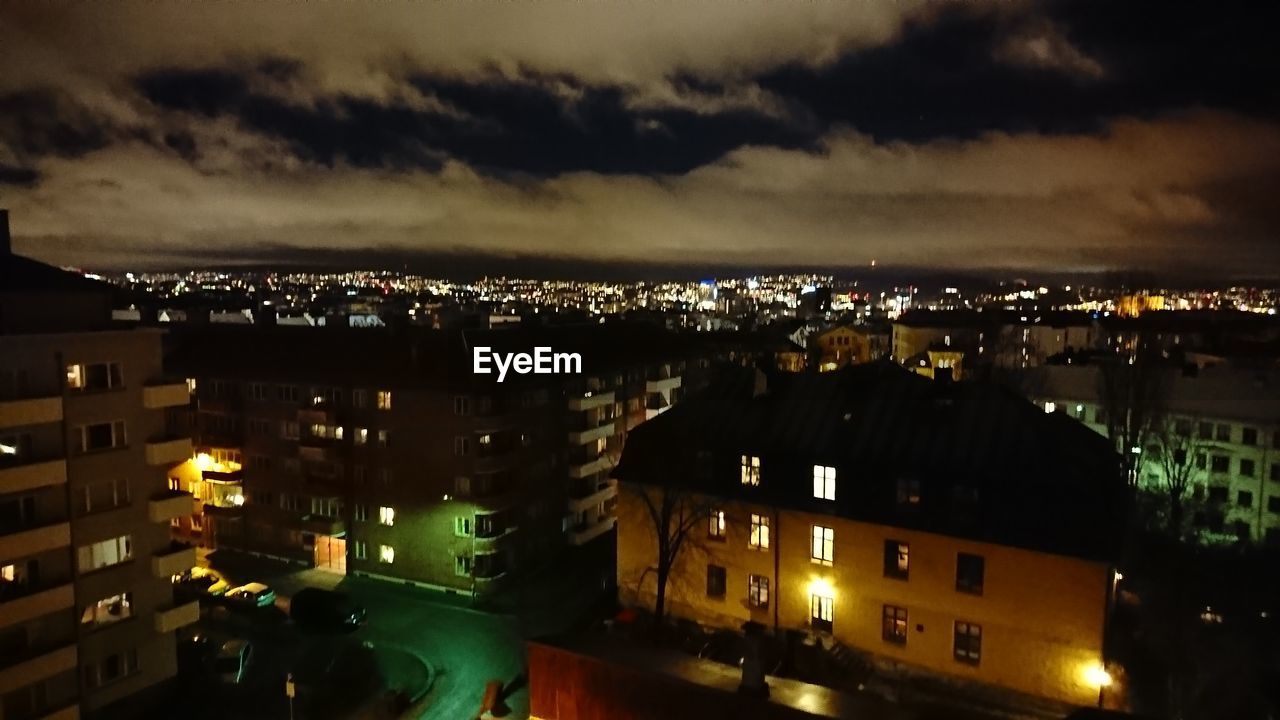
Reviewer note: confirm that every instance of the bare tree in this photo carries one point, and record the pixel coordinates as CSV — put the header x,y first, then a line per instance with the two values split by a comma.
x,y
1133,387
1175,451
674,513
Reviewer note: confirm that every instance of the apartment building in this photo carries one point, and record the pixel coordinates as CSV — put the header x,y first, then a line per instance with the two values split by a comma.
x,y
383,453
946,529
86,605
1004,338
1231,419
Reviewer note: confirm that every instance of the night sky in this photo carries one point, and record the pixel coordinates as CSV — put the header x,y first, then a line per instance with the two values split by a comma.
x,y
1069,136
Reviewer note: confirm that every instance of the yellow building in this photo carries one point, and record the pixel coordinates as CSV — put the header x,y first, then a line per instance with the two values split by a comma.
x,y
815,521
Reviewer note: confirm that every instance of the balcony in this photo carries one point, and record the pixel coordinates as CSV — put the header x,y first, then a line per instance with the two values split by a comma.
x,y
582,437
174,559
662,385
584,533
602,493
169,505
15,609
316,415
489,541
18,478
30,411
321,525
168,451
594,400
178,616
37,667
591,467
160,394
222,476
35,540
231,510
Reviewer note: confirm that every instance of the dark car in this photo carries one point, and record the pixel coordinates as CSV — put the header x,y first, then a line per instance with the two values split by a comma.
x,y
325,610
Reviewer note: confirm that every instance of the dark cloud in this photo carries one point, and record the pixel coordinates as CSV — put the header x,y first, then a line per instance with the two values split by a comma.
x,y
41,123
20,176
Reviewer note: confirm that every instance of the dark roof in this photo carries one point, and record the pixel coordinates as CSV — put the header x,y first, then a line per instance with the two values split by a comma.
x,y
22,274
1044,481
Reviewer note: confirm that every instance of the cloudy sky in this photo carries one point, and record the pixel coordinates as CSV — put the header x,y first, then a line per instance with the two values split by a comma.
x,y
1078,135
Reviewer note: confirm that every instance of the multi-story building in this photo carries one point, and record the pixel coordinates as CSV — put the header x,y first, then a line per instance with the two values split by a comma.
x,y
1230,419
1007,339
383,453
945,528
86,604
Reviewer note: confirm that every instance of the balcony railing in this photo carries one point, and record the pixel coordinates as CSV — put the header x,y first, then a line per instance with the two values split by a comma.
x,y
589,401
18,605
35,540
27,476
174,559
178,616
584,533
582,437
168,451
33,666
164,393
169,505
30,411
590,467
592,496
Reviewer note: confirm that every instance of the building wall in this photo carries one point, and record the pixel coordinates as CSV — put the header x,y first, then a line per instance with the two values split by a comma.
x,y
1042,615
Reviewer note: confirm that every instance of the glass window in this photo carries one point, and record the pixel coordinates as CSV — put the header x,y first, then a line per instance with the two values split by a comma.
x,y
1248,436
108,610
824,482
386,515
750,470
716,525
1246,467
822,611
386,554
716,581
758,591
384,399
823,548
897,559
968,642
759,532
970,571
894,628
104,553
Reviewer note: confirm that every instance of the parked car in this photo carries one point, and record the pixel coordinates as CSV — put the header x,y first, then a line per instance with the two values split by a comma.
x,y
195,653
325,610
198,583
233,661
252,595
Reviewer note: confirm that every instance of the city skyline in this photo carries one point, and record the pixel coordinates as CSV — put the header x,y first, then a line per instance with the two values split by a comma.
x,y
1027,137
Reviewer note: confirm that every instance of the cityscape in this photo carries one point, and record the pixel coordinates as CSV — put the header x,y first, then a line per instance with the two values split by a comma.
x,y
561,361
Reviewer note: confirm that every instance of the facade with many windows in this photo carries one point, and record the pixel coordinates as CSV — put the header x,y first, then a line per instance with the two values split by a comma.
x,y
87,614
872,507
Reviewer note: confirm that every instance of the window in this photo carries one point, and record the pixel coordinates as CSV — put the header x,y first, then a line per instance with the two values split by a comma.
x,y
894,629
909,491
1248,436
287,393
759,532
386,554
462,446
1246,467
824,482
1202,461
95,376
387,516
758,591
102,436
1223,433
291,465
750,470
360,513
360,435
897,559
462,526
1273,504
970,570
289,430
259,427
105,495
1275,471
715,581
462,565
968,642
461,405
823,547
359,398
108,610
1221,464
1217,494
361,549
1244,499
260,462
384,439
822,612
386,476
105,553
257,391
1050,406
716,525
111,669
384,399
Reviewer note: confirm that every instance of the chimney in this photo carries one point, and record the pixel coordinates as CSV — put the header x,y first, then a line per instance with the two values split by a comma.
x,y
6,248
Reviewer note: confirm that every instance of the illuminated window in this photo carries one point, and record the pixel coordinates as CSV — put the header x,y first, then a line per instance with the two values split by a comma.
x,y
968,642
823,547
384,399
759,532
716,581
361,550
824,482
897,559
716,525
758,591
1050,406
894,629
384,439
104,553
360,435
970,570
94,376
360,513
822,612
750,470
108,610
386,554
462,526
386,515
257,392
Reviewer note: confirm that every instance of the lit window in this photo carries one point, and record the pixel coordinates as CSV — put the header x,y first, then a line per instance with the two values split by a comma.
x,y
822,612
968,642
387,516
1050,406
823,549
716,525
750,470
824,482
362,550
383,439
360,436
94,376
759,532
462,526
108,610
895,625
104,553
758,591
386,554
897,559
384,399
